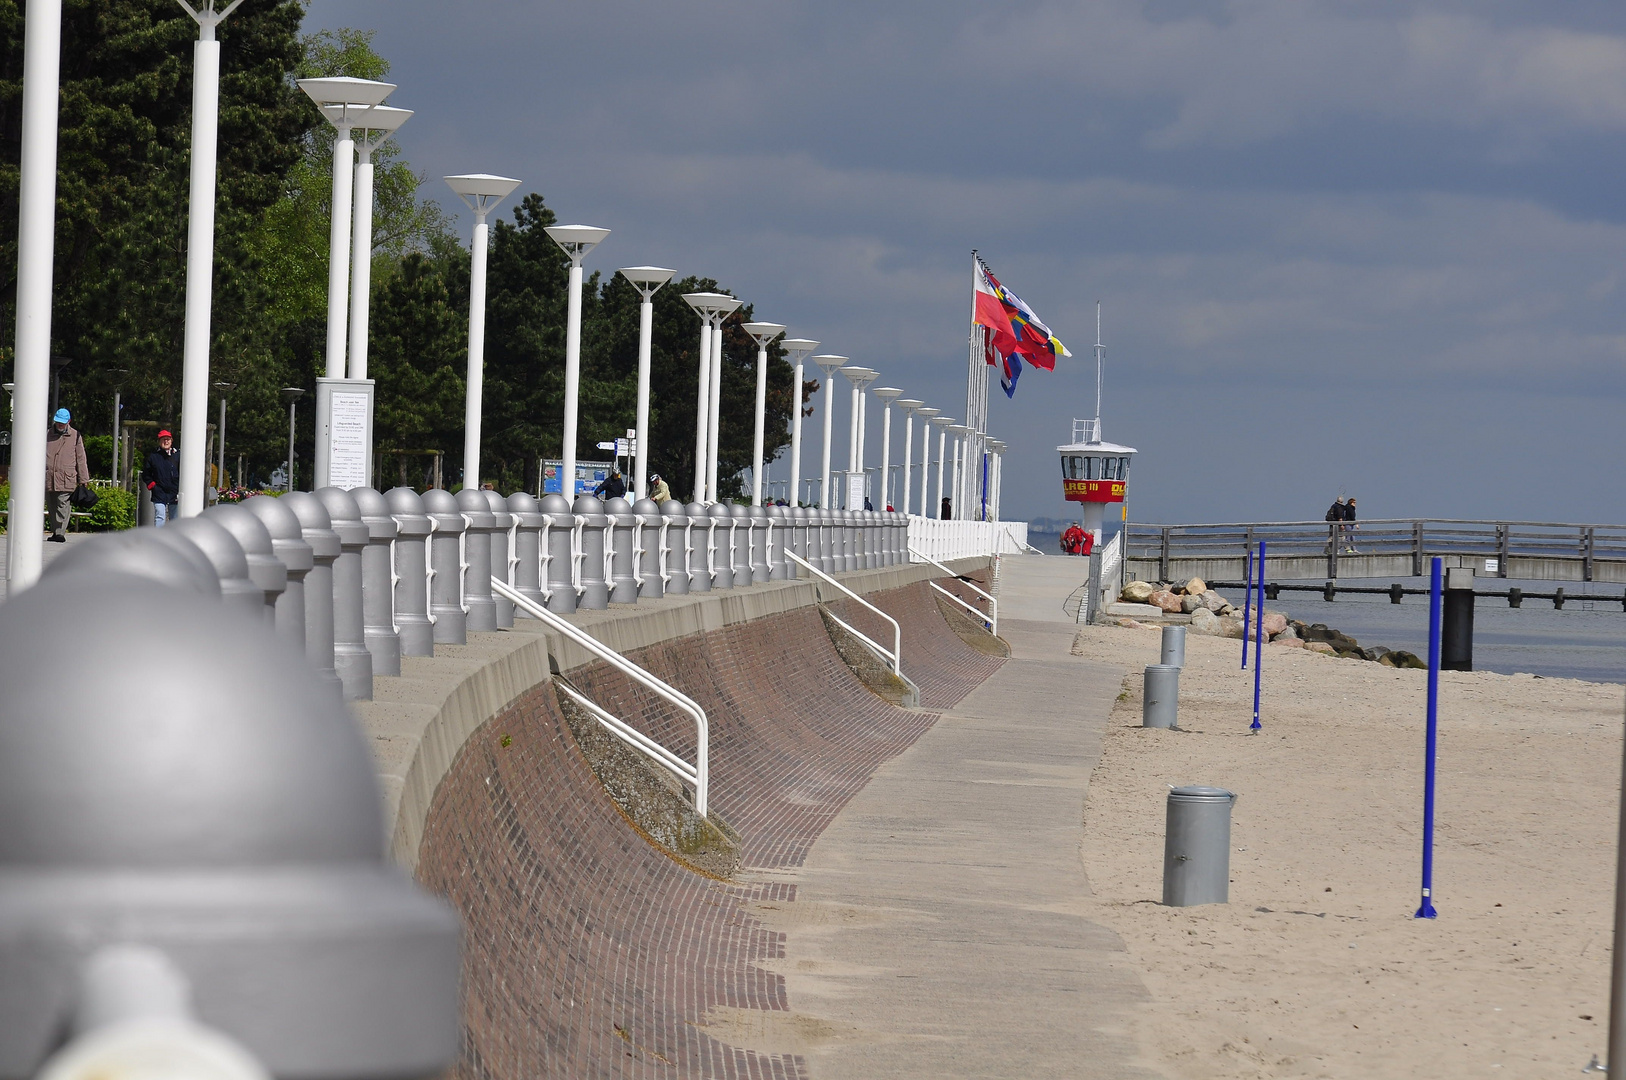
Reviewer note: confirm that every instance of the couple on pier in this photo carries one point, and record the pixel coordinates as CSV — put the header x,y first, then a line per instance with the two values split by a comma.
x,y
1341,515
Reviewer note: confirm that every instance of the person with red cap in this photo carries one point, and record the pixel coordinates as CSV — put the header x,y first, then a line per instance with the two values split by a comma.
x,y
65,470
163,478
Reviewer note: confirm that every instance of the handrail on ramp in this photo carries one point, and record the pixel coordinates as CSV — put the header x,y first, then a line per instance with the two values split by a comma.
x,y
991,619
697,775
897,632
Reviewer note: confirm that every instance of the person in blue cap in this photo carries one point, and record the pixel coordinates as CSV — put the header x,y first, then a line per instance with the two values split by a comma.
x,y
65,469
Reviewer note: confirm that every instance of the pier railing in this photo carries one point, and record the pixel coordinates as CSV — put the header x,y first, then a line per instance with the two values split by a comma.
x,y
1382,547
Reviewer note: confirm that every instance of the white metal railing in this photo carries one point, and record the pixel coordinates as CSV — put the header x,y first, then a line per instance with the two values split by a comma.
x,y
942,540
697,774
991,618
674,764
880,650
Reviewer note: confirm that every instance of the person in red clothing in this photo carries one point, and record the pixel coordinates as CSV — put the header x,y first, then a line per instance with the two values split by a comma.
x,y
1072,539
1086,545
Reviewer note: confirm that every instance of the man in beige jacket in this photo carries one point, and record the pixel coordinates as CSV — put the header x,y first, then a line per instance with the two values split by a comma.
x,y
65,469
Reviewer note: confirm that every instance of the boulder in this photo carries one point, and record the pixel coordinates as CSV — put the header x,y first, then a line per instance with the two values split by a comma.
x,y
1214,602
1377,652
1230,626
1204,621
1400,658
1290,642
1287,635
1196,587
1166,600
1321,647
1137,592
1224,609
1192,602
1275,623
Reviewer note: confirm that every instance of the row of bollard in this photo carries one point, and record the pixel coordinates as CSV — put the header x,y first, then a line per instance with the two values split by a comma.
x,y
358,579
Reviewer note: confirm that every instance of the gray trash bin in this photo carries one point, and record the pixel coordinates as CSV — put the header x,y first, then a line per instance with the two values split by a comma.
x,y
1174,646
1197,846
1161,705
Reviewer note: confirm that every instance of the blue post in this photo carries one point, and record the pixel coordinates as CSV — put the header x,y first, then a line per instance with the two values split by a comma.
x,y
1426,911
1247,596
1259,640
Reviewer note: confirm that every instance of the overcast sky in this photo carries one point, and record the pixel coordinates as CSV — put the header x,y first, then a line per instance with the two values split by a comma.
x,y
1368,247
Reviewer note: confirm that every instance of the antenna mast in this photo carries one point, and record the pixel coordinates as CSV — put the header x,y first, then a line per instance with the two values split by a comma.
x,y
1100,357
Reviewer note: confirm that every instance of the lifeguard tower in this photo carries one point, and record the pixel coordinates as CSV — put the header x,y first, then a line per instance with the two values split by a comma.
x,y
1094,473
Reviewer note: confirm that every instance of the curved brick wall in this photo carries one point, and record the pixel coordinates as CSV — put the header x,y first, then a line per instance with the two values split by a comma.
x,y
590,953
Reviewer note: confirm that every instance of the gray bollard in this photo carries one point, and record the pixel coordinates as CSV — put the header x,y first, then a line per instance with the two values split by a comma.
x,y
761,527
701,545
779,533
317,529
1197,846
225,554
650,552
623,569
720,556
446,567
1457,619
1174,646
229,823
377,581
288,544
826,540
412,530
560,555
851,542
477,598
676,517
739,518
527,553
501,568
264,568
873,559
795,536
595,527
177,564
1161,707
350,656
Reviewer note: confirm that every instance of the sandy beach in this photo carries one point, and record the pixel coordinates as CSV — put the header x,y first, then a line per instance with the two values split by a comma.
x,y
1316,967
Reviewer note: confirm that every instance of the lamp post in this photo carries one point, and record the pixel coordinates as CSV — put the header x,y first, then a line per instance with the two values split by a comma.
x,y
118,417
957,499
908,405
647,280
830,365
376,126
887,394
763,334
220,434
480,192
715,422
997,450
796,350
200,252
926,413
711,307
943,423
576,241
290,396
860,377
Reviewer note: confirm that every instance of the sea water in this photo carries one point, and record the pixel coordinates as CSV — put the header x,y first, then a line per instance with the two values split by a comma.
x,y
1586,640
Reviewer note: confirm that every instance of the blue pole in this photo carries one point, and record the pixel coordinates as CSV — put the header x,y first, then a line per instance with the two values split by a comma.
x,y
1426,911
1259,640
1247,597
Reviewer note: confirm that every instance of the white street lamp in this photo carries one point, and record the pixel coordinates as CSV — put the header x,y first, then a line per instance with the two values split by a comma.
x,y
830,365
763,334
796,350
200,252
480,192
957,499
887,394
36,239
352,99
860,377
647,280
908,405
926,415
377,126
577,241
712,308
220,437
997,448
943,423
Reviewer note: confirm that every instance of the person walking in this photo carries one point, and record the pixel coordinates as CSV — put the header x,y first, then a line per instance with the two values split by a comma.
x,y
1335,524
162,476
659,493
65,469
611,487
1350,526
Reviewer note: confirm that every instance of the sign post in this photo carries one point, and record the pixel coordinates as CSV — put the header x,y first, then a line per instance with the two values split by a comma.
x,y
344,433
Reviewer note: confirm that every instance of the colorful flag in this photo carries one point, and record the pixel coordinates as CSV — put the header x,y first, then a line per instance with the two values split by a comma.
x,y
1014,331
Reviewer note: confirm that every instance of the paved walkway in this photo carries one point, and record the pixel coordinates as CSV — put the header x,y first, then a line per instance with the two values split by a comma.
x,y
936,929
51,551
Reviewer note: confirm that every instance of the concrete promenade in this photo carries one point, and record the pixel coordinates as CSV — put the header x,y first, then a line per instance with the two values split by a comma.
x,y
936,928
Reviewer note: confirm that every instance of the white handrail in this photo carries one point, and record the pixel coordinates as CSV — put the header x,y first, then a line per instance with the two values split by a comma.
x,y
897,632
992,618
632,736
702,770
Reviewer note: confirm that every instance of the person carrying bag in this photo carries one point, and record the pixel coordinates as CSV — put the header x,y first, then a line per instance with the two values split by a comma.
x,y
67,474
